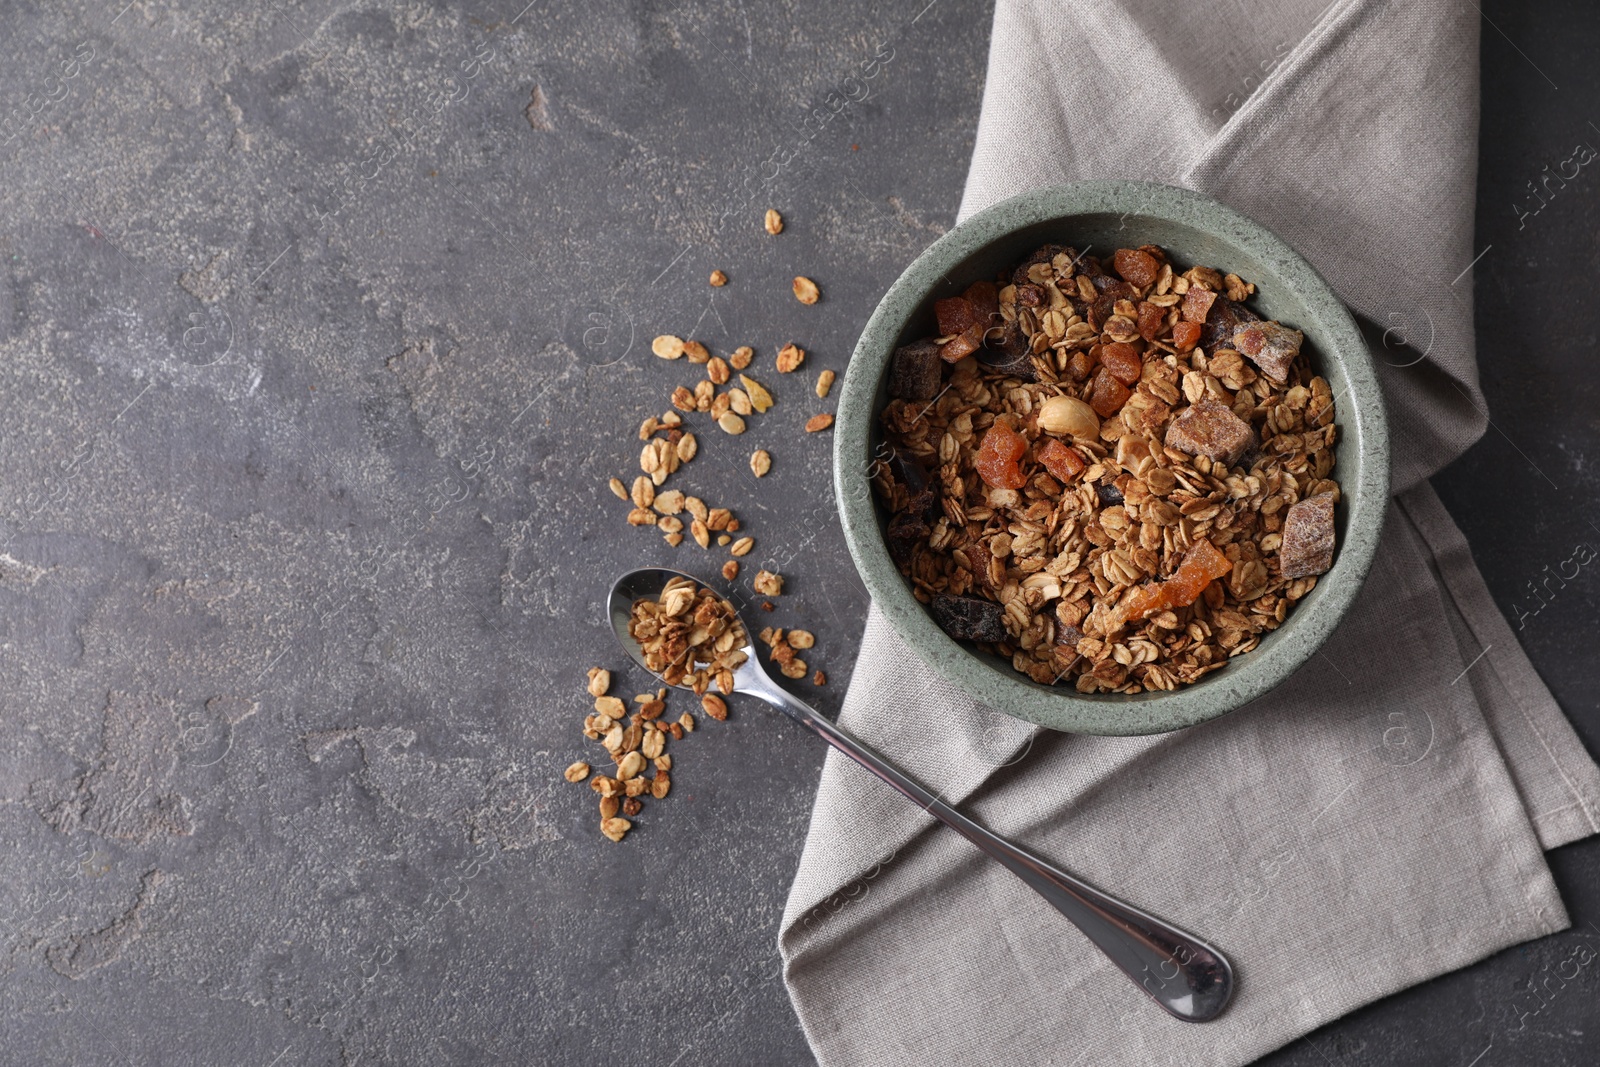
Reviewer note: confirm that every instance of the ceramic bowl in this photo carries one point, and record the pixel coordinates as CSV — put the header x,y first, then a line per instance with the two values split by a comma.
x,y
1102,216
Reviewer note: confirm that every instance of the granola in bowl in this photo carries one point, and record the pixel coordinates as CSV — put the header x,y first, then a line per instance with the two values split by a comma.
x,y
1117,475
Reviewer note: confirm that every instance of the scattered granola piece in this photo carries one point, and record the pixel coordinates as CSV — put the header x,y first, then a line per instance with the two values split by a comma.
x,y
717,370
730,569
817,423
696,352
819,678
615,828
1308,537
805,290
760,399
610,707
667,346
743,546
687,447
599,681
731,423
660,785
741,357
632,806
773,222
790,356
801,639
718,279
760,462
767,583
619,489
701,535
577,772
686,722
824,383
609,806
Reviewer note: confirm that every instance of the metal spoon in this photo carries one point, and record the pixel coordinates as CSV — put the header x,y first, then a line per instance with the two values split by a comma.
x,y
1183,974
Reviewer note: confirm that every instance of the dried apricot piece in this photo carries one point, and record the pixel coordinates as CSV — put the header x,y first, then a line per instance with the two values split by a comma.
x,y
985,300
1185,335
1201,565
1151,320
1136,265
1144,601
956,315
1107,395
962,345
1197,304
1063,463
999,460
1123,361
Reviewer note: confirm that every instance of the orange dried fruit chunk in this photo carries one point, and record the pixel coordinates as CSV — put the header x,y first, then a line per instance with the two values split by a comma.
x,y
1144,601
1203,563
984,298
1185,335
1000,455
1151,319
1197,303
1063,463
1123,361
1107,394
962,345
956,315
1136,265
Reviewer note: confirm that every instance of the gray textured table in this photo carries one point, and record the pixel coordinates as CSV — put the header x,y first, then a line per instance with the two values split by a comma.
x,y
322,328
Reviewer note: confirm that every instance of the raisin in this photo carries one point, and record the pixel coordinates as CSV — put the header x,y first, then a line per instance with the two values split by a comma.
x,y
1197,303
1108,494
1226,316
1185,335
1137,266
999,460
1107,395
914,371
1123,361
1152,320
1030,295
1063,463
906,531
969,618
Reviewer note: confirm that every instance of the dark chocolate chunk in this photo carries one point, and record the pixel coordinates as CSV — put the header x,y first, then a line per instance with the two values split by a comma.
x,y
908,472
915,371
969,618
907,530
1009,353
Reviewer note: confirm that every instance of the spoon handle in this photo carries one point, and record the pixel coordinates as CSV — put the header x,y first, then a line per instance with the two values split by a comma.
x,y
1183,974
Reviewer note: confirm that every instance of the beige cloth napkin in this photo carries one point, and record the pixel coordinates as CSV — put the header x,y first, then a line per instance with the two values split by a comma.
x,y
1377,820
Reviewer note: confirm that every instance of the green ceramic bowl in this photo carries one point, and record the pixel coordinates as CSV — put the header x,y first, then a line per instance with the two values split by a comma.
x,y
1106,215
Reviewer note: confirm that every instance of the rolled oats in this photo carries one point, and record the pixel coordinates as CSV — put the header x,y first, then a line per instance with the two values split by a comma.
x,y
599,681
790,356
773,222
741,357
760,462
805,290
767,583
577,772
731,423
718,279
818,422
667,346
824,383
743,546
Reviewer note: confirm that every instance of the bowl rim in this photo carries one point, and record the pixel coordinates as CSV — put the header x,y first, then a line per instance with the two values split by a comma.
x,y
1365,495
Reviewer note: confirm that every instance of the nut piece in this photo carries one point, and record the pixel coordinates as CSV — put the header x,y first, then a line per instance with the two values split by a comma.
x,y
805,290
760,462
718,279
615,828
790,356
713,706
743,546
686,722
818,422
667,346
731,423
599,681
1066,415
824,383
767,584
577,772
774,222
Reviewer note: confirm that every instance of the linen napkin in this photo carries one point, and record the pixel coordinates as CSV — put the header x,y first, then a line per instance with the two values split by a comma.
x,y
1377,820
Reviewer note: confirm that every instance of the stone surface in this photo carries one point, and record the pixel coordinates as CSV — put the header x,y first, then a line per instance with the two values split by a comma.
x,y
323,325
